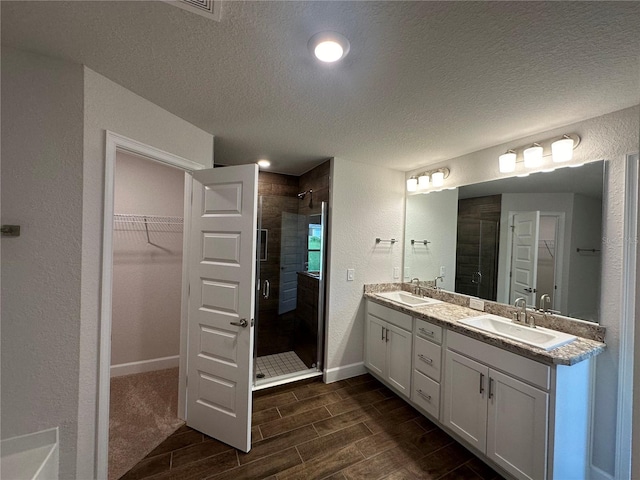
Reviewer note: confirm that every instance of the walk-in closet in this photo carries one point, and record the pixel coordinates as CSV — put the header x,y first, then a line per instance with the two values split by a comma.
x,y
147,279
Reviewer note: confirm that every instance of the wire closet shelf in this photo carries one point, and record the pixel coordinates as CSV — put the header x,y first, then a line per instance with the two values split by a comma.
x,y
147,223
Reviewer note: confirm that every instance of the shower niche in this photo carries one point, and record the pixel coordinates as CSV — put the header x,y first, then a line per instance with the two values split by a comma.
x,y
292,219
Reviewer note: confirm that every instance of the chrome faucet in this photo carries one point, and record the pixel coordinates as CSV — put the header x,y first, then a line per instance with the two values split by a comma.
x,y
435,282
417,289
544,301
521,316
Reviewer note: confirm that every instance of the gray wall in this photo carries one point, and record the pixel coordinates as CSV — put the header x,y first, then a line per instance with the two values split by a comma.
x,y
42,113
53,185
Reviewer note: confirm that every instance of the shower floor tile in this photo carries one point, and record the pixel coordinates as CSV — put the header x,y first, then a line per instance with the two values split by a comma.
x,y
279,364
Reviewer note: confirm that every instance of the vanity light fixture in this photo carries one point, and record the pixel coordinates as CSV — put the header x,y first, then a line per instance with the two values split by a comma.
x,y
420,181
329,47
559,149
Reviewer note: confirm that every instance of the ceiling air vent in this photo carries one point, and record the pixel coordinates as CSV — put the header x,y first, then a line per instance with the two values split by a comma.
x,y
206,8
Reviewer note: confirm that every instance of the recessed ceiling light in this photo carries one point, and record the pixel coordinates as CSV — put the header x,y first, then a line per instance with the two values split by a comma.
x,y
264,163
329,46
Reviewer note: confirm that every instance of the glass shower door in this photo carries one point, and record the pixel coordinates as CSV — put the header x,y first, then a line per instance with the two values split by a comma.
x,y
290,289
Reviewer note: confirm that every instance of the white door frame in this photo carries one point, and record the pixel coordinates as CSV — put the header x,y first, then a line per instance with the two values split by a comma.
x,y
114,143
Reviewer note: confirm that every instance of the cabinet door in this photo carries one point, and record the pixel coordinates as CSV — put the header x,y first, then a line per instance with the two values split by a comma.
x,y
517,426
376,347
465,400
399,359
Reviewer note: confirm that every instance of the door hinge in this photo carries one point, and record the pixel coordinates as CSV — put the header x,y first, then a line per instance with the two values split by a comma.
x,y
186,381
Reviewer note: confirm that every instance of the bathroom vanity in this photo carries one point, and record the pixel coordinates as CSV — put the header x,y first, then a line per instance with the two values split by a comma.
x,y
524,410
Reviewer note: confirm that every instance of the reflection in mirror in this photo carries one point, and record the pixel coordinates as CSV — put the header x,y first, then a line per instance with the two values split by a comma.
x,y
514,237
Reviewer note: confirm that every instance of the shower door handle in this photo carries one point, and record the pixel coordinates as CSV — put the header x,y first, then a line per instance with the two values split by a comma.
x,y
266,288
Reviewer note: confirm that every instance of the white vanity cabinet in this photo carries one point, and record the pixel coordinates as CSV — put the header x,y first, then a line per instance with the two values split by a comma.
x,y
527,418
388,346
498,402
427,367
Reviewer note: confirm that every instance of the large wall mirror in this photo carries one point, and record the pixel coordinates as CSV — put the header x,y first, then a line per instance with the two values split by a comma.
x,y
514,237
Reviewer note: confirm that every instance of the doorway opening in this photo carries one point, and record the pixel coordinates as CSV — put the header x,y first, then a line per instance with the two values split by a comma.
x,y
146,308
135,231
292,229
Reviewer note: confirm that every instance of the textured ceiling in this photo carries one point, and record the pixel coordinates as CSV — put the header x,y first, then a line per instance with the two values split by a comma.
x,y
424,81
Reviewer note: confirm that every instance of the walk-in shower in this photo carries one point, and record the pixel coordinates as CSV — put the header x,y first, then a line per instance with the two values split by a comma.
x,y
290,288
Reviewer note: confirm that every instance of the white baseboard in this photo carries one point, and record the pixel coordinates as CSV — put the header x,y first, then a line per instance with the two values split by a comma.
x,y
145,366
343,372
31,457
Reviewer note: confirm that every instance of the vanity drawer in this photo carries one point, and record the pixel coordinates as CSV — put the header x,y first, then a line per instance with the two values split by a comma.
x,y
426,394
427,357
428,330
398,319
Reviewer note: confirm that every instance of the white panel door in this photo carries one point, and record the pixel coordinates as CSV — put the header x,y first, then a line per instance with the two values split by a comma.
x,y
465,399
517,426
524,257
222,254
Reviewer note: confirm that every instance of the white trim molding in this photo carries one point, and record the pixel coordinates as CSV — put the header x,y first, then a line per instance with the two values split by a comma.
x,y
115,142
624,425
144,366
346,371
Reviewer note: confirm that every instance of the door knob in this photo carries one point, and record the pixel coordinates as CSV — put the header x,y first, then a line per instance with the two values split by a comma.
x,y
242,323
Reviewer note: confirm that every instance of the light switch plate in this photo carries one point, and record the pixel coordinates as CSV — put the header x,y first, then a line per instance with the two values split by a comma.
x,y
350,274
476,304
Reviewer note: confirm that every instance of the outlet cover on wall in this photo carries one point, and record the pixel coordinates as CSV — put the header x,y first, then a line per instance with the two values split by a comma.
x,y
396,272
350,274
442,271
476,304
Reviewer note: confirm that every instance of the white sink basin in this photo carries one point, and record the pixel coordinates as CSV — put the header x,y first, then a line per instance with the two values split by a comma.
x,y
538,337
408,299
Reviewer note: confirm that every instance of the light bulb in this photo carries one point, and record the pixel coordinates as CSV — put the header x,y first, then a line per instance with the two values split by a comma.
x,y
438,179
507,161
533,156
423,181
329,47
412,184
562,150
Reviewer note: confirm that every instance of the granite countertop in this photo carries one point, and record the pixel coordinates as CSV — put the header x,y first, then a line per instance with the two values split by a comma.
x,y
447,315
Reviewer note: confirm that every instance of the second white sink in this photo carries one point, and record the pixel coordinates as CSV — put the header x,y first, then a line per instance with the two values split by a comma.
x,y
538,337
408,299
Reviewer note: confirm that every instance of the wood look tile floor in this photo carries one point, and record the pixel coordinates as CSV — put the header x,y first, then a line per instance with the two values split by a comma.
x,y
352,429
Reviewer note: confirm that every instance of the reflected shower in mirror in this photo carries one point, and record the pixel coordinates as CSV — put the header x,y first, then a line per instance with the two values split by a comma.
x,y
514,237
